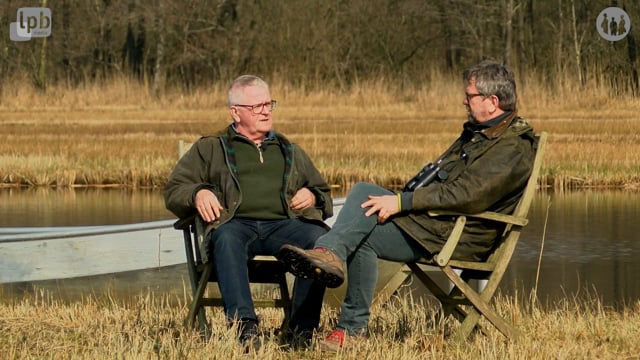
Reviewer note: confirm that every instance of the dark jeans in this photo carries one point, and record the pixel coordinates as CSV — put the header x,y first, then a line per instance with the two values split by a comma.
x,y
361,241
238,240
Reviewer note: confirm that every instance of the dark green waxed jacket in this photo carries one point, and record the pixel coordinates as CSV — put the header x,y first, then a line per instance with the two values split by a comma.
x,y
210,164
487,171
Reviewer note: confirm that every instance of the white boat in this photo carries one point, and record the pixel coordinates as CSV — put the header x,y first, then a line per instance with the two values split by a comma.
x,y
45,253
33,254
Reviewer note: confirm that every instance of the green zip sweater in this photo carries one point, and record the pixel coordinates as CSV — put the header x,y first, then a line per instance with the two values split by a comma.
x,y
260,174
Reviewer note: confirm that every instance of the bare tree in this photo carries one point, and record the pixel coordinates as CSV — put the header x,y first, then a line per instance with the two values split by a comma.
x,y
159,71
577,44
507,30
41,77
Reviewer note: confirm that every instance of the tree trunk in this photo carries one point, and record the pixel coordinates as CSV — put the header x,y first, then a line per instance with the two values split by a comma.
x,y
158,74
531,33
577,45
559,69
66,60
41,77
522,40
447,33
631,47
507,31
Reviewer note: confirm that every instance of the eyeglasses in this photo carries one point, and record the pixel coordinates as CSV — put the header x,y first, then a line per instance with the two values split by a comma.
x,y
259,108
471,96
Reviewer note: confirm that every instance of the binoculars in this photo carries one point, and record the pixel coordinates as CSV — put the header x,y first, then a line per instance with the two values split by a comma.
x,y
428,173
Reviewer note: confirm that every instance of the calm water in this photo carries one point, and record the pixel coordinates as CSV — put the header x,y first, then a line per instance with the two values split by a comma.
x,y
591,239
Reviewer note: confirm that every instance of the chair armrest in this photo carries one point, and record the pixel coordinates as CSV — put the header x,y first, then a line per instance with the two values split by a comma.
x,y
443,257
487,215
184,223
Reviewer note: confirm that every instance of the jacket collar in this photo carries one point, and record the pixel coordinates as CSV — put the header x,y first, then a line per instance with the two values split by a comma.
x,y
494,127
271,135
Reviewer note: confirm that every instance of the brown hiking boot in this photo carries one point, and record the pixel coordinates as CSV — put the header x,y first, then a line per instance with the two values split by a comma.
x,y
319,264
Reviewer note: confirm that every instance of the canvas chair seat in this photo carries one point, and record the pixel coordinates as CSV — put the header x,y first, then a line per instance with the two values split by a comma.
x,y
460,293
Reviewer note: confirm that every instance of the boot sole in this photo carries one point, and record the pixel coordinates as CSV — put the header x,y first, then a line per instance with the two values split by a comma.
x,y
300,265
329,348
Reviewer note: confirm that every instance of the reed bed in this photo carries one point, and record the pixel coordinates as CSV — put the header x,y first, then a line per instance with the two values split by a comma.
x,y
150,326
116,134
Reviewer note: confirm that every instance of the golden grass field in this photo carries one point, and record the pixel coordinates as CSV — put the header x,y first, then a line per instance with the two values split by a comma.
x,y
150,327
119,135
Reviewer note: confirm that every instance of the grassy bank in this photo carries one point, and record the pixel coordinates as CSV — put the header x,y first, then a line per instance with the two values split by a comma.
x,y
149,327
118,135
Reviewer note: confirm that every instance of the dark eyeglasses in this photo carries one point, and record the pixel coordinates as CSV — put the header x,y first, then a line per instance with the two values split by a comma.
x,y
471,96
259,108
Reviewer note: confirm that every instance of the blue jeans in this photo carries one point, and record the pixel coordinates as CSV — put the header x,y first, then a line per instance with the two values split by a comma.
x,y
238,240
360,241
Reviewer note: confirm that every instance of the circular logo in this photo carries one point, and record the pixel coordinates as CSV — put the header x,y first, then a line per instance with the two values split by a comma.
x,y
613,24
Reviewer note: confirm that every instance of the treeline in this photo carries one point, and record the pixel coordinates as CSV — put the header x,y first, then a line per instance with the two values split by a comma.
x,y
185,44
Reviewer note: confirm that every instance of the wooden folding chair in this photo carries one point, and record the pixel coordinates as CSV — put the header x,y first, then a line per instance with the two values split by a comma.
x,y
492,270
262,270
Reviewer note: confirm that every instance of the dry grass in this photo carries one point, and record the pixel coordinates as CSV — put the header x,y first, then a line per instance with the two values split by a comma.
x,y
150,327
117,134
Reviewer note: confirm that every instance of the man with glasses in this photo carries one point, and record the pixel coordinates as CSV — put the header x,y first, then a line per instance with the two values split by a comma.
x,y
486,169
257,191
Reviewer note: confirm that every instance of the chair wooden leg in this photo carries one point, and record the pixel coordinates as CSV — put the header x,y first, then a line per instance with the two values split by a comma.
x,y
468,325
196,304
392,285
454,310
426,280
284,296
481,305
447,307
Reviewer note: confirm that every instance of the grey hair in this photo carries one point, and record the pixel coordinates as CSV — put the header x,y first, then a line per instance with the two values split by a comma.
x,y
492,78
240,83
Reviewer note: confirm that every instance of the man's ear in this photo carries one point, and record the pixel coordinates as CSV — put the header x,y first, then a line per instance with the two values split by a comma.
x,y
233,111
495,101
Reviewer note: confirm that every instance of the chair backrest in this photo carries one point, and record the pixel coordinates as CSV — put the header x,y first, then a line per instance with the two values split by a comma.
x,y
183,147
525,201
507,242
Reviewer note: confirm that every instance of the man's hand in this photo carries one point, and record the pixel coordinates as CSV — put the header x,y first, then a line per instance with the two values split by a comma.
x,y
386,206
208,205
303,199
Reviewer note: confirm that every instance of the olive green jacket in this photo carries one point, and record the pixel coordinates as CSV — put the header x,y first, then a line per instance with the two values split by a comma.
x,y
487,171
210,163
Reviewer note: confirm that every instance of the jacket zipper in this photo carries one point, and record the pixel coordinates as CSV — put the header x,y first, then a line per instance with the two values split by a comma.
x,y
259,147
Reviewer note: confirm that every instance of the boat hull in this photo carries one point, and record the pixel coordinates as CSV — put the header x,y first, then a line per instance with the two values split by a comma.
x,y
79,253
44,253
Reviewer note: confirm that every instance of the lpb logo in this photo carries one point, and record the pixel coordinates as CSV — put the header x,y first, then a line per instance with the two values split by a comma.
x,y
31,22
